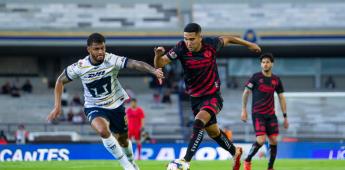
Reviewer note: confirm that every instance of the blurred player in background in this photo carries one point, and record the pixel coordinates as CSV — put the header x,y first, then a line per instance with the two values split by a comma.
x,y
135,118
197,55
263,85
104,95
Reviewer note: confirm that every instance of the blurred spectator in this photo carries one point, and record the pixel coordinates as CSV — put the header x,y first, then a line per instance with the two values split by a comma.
x,y
64,98
76,101
15,90
166,97
232,84
329,83
3,138
27,86
6,88
21,135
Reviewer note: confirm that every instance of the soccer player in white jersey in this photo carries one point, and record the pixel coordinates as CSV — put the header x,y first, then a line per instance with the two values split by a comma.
x,y
104,95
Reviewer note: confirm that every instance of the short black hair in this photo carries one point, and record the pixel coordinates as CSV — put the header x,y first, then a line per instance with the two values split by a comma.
x,y
95,38
133,100
267,55
192,27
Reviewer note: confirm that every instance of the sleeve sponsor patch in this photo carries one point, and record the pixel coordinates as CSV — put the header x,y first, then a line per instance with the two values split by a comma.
x,y
172,54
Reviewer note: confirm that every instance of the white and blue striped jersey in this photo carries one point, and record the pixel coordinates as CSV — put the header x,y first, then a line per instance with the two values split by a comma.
x,y
101,87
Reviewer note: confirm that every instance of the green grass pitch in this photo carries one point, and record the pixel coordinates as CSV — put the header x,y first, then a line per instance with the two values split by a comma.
x,y
281,164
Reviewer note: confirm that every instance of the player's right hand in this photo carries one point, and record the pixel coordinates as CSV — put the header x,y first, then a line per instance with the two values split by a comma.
x,y
160,75
254,48
55,113
159,51
244,116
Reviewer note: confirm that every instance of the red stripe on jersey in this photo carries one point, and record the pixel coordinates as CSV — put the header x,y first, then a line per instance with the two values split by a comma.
x,y
201,77
202,86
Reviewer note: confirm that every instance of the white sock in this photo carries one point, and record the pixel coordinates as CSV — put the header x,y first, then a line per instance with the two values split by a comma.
x,y
129,151
114,148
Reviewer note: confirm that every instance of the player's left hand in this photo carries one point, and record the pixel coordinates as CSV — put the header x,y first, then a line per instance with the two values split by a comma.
x,y
286,123
160,75
254,48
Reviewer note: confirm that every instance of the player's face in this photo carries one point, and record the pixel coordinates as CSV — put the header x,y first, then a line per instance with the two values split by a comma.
x,y
266,64
97,51
192,40
133,104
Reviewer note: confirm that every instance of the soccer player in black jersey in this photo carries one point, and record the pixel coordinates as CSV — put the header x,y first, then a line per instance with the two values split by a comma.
x,y
198,58
263,85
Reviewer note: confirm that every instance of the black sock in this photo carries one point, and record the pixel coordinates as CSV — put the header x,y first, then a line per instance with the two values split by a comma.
x,y
197,136
273,154
225,143
253,150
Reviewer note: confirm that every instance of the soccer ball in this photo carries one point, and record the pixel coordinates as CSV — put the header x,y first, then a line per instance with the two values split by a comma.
x,y
178,164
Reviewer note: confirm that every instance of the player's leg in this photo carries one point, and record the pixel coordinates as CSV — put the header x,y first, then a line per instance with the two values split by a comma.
x,y
138,142
200,120
220,137
272,132
101,125
118,125
260,131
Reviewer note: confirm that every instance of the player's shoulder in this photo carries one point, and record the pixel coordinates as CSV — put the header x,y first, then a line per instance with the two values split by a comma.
x,y
82,63
210,40
180,45
274,76
257,75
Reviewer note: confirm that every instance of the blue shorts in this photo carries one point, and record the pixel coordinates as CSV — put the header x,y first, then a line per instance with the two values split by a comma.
x,y
116,117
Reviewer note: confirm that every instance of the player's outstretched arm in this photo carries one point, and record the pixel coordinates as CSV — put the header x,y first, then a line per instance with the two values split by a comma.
x,y
282,102
244,114
160,59
59,85
235,40
144,67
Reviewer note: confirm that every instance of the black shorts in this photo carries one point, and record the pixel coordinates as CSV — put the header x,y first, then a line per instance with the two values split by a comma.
x,y
116,117
265,124
213,104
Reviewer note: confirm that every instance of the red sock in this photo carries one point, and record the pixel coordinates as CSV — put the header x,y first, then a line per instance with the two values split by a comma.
x,y
139,151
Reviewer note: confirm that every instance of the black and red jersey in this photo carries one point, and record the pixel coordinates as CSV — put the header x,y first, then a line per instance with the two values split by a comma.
x,y
200,68
263,89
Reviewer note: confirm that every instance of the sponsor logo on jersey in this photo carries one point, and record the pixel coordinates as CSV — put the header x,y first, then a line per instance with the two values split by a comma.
x,y
91,75
172,54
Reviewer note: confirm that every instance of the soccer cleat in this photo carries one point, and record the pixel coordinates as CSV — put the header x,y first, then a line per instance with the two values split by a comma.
x,y
237,159
247,165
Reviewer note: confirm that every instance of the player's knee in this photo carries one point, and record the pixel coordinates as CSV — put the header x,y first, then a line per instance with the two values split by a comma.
x,y
213,132
104,132
261,141
203,116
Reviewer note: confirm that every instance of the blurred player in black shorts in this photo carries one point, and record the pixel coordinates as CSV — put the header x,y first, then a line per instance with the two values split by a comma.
x,y
197,55
263,85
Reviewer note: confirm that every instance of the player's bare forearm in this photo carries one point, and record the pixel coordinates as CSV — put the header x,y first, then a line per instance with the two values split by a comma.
x,y
282,102
59,85
140,66
245,96
236,40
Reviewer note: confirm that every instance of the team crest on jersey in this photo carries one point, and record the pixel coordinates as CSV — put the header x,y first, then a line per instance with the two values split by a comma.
x,y
80,63
261,81
208,54
274,82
